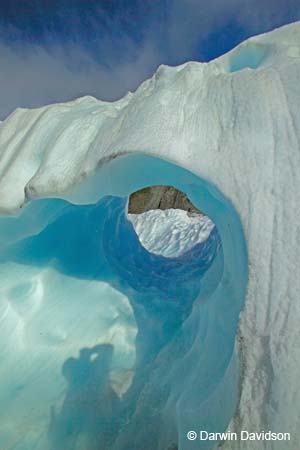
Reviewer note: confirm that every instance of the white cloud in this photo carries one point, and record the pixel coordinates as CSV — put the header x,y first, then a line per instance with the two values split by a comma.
x,y
32,75
192,21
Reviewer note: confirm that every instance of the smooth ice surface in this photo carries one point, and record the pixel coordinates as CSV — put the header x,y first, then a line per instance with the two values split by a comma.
x,y
115,331
239,131
171,232
248,56
50,321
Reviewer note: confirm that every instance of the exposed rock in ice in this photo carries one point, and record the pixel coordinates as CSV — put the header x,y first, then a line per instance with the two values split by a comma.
x,y
234,122
159,197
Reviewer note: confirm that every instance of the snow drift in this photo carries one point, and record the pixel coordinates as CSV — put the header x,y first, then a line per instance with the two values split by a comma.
x,y
227,134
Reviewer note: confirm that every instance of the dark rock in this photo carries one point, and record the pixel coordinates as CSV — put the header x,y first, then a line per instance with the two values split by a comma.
x,y
160,197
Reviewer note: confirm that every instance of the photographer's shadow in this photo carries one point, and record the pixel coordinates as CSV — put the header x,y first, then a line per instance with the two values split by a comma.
x,y
87,416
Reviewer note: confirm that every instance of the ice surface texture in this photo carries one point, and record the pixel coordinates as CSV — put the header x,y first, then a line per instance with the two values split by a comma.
x,y
111,346
171,232
234,122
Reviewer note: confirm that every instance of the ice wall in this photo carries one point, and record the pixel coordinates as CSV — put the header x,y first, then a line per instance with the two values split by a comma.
x,y
108,341
235,123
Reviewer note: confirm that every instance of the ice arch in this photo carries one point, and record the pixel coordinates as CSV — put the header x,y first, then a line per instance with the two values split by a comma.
x,y
176,371
240,131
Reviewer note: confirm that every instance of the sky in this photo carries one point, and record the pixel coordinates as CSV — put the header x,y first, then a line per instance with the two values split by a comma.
x,y
58,50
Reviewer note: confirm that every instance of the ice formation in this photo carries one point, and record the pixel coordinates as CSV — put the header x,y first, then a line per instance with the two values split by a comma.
x,y
87,313
171,232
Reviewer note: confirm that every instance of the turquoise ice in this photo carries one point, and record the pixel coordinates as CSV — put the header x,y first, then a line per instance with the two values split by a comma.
x,y
105,345
234,124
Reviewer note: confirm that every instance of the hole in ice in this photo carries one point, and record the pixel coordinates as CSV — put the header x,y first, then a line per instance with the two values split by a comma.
x,y
166,221
248,56
124,348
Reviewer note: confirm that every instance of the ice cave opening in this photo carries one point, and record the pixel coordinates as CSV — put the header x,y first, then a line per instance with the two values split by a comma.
x,y
108,346
166,222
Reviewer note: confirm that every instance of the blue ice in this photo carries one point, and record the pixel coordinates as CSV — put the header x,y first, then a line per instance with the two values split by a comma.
x,y
105,345
248,56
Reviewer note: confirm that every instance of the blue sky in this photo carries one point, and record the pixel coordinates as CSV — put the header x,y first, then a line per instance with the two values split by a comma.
x,y
57,50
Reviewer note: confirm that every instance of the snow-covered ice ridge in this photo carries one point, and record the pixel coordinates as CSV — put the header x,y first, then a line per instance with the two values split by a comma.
x,y
172,232
233,122
214,118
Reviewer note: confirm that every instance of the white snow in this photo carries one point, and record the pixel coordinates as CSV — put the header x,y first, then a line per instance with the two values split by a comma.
x,y
234,122
172,232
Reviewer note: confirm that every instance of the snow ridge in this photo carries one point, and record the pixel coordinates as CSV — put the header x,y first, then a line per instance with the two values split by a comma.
x,y
235,123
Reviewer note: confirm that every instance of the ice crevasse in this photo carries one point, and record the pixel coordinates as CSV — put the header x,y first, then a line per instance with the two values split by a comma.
x,y
95,329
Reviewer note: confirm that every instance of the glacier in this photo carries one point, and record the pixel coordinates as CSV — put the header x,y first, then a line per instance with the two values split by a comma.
x,y
172,232
95,328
